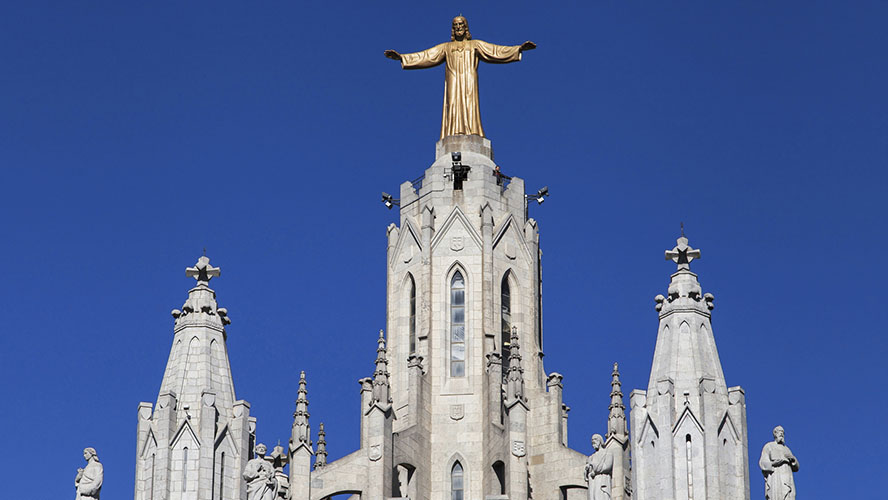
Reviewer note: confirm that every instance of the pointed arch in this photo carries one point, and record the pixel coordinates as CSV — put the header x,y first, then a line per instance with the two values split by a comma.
x,y
499,472
684,328
411,314
457,347
505,318
457,463
457,482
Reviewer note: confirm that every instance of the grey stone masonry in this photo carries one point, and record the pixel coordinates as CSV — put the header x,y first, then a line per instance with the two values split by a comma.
x,y
195,442
689,429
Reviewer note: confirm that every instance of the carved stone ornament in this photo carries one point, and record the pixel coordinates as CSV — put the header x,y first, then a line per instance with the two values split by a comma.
x,y
457,243
510,250
518,449
457,412
407,256
375,452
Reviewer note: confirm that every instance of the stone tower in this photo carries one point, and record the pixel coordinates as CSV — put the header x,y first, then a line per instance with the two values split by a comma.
x,y
688,428
194,443
474,408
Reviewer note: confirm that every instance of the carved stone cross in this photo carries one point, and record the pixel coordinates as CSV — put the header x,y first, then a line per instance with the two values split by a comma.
x,y
682,254
202,271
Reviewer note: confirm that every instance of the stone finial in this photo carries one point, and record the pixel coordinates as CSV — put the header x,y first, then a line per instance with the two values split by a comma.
x,y
415,361
300,434
682,254
381,393
321,460
515,378
202,271
616,420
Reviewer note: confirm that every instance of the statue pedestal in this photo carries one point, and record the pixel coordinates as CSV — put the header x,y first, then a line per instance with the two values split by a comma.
x,y
465,144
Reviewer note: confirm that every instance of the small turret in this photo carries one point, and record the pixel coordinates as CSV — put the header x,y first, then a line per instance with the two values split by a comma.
x,y
515,379
616,420
321,454
300,445
381,388
301,433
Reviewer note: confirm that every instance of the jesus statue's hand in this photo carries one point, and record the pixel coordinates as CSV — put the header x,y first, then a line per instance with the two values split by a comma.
x,y
393,54
528,45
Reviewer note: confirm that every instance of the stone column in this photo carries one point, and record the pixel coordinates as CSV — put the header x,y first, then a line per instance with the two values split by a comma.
x,y
143,475
425,306
243,441
495,387
664,406
379,454
165,421
517,463
414,384
487,278
206,451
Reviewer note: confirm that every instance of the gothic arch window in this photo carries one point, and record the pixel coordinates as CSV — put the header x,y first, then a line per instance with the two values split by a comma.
x,y
505,320
185,469
457,485
151,483
222,476
499,470
457,326
412,319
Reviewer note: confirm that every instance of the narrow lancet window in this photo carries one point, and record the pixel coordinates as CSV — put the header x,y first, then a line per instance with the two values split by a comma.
x,y
185,469
412,325
456,482
505,322
222,476
690,466
457,326
151,484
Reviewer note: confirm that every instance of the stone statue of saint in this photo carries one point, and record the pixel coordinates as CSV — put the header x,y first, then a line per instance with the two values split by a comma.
x,y
599,467
88,482
260,477
461,115
778,464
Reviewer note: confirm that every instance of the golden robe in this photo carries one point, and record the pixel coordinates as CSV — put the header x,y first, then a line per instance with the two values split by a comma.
x,y
461,115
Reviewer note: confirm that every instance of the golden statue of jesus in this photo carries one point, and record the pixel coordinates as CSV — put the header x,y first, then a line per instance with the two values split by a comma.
x,y
461,115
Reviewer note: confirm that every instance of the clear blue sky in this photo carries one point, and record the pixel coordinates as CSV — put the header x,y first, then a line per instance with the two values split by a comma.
x,y
132,136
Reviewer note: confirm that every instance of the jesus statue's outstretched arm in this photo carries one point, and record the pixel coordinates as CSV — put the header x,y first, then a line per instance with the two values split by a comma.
x,y
424,59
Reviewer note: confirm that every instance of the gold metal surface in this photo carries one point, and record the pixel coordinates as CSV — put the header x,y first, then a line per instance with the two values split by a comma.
x,y
461,114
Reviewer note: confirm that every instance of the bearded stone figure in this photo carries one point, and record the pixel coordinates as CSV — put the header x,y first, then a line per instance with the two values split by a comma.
x,y
778,464
89,479
599,467
260,477
461,114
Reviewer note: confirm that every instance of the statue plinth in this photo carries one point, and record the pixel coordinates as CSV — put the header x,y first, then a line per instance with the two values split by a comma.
x,y
464,144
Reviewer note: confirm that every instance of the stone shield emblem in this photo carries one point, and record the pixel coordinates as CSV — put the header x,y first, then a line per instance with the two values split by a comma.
x,y
375,452
457,243
518,448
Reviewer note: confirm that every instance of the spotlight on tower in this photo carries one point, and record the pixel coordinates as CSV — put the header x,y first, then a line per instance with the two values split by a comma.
x,y
389,201
540,195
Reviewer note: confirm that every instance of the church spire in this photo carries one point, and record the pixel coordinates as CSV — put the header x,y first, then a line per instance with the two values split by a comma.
x,y
381,389
301,434
687,409
196,406
616,420
321,455
685,311
198,356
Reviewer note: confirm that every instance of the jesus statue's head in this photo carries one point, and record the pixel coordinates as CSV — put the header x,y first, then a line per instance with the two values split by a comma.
x,y
459,30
